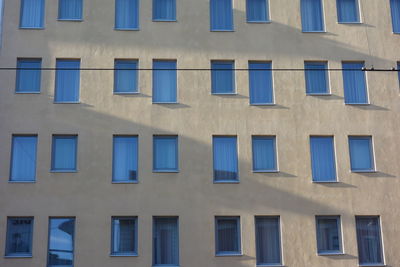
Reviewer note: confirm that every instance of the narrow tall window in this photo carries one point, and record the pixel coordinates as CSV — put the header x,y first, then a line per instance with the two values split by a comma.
x,y
32,14
61,242
127,14
64,153
165,153
125,76
67,81
347,11
227,236
225,158
257,11
28,75
328,235
165,241
260,83
398,70
70,9
222,77
19,237
316,78
125,159
221,15
164,10
395,10
268,241
312,17
361,153
369,241
124,236
164,81
23,158
354,83
323,159
264,154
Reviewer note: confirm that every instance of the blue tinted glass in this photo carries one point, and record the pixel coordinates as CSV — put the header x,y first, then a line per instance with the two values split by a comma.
x,y
32,14
264,155
125,76
164,10
19,236
124,236
323,159
61,242
227,235
221,14
225,158
125,158
222,77
67,80
347,11
260,82
127,14
316,78
70,9
257,10
28,75
165,153
395,10
23,161
268,244
311,16
164,82
361,156
64,153
328,236
369,241
355,88
165,241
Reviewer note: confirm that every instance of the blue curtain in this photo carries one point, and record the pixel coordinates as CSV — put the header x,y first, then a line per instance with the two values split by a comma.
x,y
32,14
28,80
124,236
312,18
347,11
316,78
164,82
257,10
61,242
19,236
165,242
369,241
23,162
228,236
164,10
125,158
395,10
322,159
328,238
355,88
361,154
64,153
67,80
70,9
225,158
222,77
127,14
125,76
260,83
221,14
165,149
264,158
268,244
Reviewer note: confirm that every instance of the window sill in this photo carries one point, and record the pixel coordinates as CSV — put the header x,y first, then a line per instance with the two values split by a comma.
x,y
265,171
63,171
126,93
126,29
165,171
232,94
262,104
124,255
364,171
31,28
163,265
72,20
357,104
125,182
371,264
350,22
227,254
318,94
259,22
22,182
18,256
326,182
72,102
165,20
227,182
27,93
313,31
330,254
222,30
168,103
270,265
397,33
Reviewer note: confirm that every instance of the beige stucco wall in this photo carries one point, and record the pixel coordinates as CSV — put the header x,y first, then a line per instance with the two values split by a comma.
x,y
191,194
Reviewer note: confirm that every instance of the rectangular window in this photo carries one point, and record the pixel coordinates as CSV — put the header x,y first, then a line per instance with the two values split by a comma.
x,y
260,83
32,14
323,159
227,236
328,235
70,9
61,242
222,77
347,11
225,158
395,10
164,10
316,78
354,83
125,76
268,241
64,153
221,15
124,236
23,158
165,153
67,81
164,81
312,17
398,70
165,241
361,154
257,11
127,14
125,159
369,240
28,75
264,154
19,237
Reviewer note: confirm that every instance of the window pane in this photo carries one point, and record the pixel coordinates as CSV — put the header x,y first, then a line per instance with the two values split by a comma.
x,y
223,77
311,15
316,78
64,153
264,158
260,78
225,158
67,80
268,244
124,236
32,14
166,241
61,242
164,10
125,76
125,158
369,240
28,80
257,11
23,159
355,88
19,236
70,9
323,159
395,10
126,14
328,234
164,81
221,13
165,153
347,11
361,156
227,235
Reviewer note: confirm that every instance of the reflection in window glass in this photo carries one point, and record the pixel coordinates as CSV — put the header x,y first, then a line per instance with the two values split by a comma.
x,y
61,242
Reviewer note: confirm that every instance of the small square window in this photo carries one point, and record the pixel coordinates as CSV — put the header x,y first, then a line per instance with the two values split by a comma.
x,y
347,11
227,235
28,75
64,154
257,11
165,153
164,10
19,237
264,154
32,14
316,78
70,9
361,153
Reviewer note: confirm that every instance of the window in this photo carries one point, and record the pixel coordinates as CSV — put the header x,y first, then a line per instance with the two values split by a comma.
x,y
32,14
125,159
19,237
398,70
165,241
28,75
67,81
260,83
164,10
221,15
125,76
1,21
268,241
312,17
395,10
264,154
227,236
316,78
23,158
257,11
328,235
127,14
347,11
323,159
222,77
355,88
164,81
61,242
64,153
225,159
124,236
165,153
369,240
70,9
361,154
